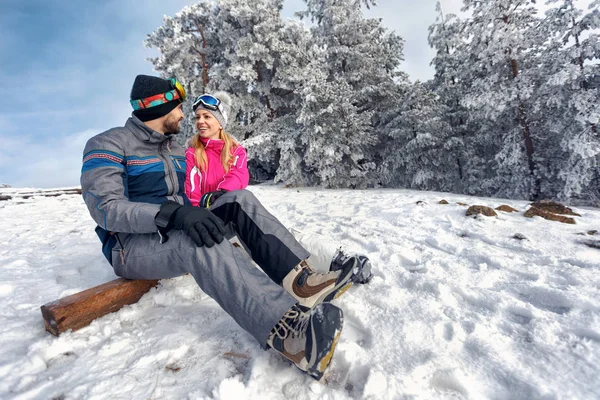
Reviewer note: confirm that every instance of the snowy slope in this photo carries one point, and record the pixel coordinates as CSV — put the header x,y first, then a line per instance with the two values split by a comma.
x,y
458,308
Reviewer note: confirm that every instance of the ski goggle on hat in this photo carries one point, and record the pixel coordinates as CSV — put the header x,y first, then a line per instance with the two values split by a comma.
x,y
177,92
209,102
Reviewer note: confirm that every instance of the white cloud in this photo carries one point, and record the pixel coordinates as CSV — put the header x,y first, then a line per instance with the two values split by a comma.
x,y
411,20
29,161
81,79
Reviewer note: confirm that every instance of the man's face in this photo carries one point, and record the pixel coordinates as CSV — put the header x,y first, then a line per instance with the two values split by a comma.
x,y
173,120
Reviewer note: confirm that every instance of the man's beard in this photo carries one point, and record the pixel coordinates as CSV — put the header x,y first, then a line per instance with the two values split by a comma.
x,y
171,126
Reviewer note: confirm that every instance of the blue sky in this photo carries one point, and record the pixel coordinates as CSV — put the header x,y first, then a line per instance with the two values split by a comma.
x,y
67,69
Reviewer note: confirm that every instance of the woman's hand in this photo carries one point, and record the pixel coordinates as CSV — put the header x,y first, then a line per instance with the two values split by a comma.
x,y
209,198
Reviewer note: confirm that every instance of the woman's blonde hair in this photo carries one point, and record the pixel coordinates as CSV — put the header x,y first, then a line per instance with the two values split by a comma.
x,y
227,159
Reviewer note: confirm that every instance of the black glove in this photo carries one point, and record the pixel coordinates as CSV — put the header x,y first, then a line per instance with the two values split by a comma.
x,y
202,226
209,198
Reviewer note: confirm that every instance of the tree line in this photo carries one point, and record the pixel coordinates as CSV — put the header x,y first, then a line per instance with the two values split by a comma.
x,y
512,111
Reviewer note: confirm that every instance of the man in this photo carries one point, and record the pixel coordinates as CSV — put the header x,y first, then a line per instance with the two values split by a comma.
x,y
132,182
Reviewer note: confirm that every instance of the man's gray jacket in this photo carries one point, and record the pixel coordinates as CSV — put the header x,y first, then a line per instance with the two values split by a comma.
x,y
127,173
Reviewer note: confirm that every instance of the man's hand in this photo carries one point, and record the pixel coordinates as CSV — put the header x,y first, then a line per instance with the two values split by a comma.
x,y
202,226
209,198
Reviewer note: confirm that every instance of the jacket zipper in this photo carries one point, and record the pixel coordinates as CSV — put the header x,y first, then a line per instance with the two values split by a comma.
x,y
204,181
170,169
122,251
206,170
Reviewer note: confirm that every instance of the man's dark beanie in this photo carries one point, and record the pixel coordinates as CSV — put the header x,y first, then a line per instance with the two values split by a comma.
x,y
146,86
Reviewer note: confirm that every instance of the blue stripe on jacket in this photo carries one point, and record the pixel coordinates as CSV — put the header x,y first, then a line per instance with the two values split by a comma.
x,y
101,158
135,170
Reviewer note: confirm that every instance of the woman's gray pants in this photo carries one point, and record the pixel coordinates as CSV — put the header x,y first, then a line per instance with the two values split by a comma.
x,y
254,298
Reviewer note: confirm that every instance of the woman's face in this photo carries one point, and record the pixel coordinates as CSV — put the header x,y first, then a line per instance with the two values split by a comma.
x,y
207,125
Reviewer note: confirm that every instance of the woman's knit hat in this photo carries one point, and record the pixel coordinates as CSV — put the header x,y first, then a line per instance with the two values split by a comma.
x,y
222,113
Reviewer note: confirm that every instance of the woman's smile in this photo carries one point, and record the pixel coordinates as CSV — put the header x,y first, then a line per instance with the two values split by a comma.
x,y
207,125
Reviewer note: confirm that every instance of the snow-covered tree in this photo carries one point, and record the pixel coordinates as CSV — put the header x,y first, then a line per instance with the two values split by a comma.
x,y
513,109
519,95
351,83
243,48
419,152
464,148
570,103
499,41
188,44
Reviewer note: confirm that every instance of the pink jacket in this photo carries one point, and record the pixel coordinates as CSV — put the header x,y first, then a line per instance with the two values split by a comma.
x,y
214,178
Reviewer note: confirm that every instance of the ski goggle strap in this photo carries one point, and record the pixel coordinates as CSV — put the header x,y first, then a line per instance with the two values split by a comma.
x,y
180,89
178,92
208,101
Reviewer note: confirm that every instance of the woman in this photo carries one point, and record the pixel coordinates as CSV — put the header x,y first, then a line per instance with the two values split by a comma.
x,y
215,162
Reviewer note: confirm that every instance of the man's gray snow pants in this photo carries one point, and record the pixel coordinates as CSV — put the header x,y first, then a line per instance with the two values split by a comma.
x,y
255,299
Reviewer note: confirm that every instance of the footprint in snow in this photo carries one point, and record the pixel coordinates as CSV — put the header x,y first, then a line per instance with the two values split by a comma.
x,y
355,331
444,246
477,301
520,315
448,332
589,334
349,376
545,299
62,359
445,381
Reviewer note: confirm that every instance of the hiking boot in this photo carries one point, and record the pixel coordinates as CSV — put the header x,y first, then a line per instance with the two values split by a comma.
x,y
310,287
362,272
307,337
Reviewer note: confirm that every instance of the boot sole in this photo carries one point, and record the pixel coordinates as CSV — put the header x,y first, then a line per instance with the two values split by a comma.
x,y
342,290
341,287
363,272
325,330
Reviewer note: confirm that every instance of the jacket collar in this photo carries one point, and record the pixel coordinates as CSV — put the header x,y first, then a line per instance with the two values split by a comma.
x,y
213,144
143,133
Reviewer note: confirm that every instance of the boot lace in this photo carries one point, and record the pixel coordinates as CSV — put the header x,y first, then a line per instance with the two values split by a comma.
x,y
312,271
339,259
294,322
305,265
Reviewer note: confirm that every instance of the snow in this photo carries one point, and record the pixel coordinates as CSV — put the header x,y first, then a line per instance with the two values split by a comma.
x,y
458,307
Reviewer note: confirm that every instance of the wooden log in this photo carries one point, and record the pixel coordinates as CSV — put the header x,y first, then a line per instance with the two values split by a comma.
x,y
80,309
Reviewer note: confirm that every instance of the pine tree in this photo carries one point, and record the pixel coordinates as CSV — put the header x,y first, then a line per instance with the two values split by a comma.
x,y
188,44
247,50
422,153
499,43
570,102
463,147
351,83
